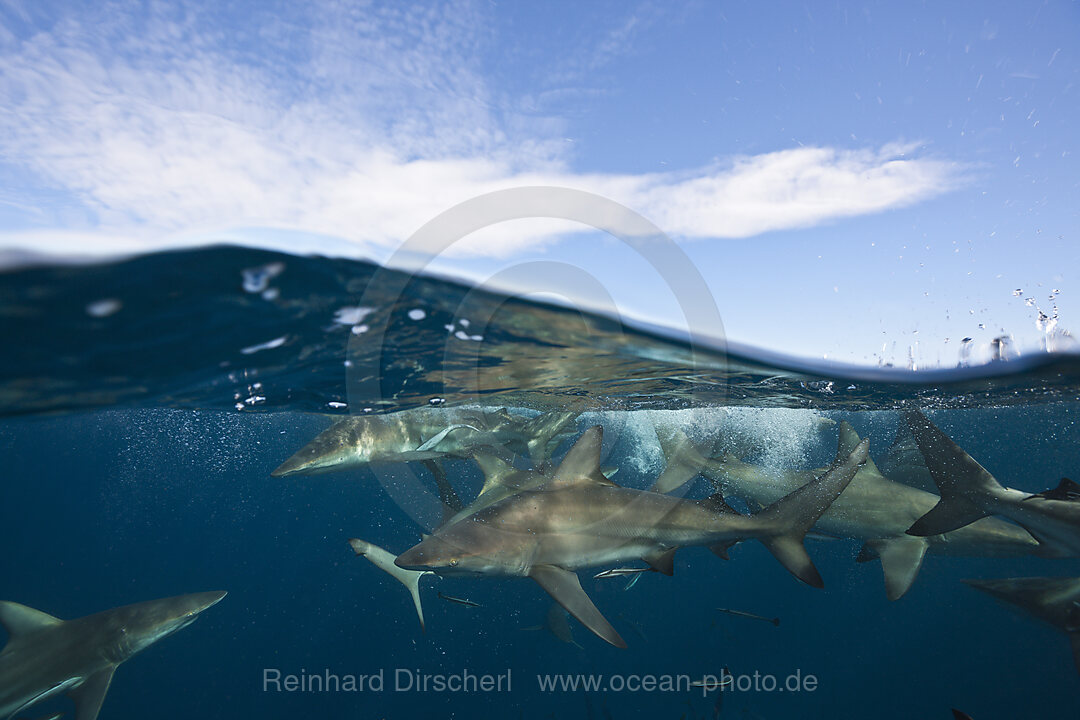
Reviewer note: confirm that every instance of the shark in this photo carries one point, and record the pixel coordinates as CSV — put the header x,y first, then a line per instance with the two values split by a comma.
x,y
873,509
556,623
420,434
579,519
384,560
1054,600
969,492
46,656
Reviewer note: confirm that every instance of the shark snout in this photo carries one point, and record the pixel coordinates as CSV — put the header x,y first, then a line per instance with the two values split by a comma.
x,y
195,603
293,466
413,559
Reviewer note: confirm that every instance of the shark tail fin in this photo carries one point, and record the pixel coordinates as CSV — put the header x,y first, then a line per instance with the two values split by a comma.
x,y
964,484
789,519
683,461
543,433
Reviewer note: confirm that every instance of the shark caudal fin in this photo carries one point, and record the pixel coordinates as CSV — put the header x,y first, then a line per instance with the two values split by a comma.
x,y
683,461
965,486
543,433
385,561
791,517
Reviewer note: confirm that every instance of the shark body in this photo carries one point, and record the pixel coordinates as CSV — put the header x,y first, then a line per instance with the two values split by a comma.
x,y
580,519
426,434
46,656
873,509
969,492
1054,600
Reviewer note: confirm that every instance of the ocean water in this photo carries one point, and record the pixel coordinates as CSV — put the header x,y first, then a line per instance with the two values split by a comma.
x,y
145,403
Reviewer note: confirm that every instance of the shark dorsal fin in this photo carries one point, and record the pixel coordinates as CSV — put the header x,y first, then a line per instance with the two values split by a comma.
x,y
1066,491
582,462
849,439
495,469
19,620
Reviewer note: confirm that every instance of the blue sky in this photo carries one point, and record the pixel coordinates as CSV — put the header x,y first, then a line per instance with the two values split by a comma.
x,y
863,182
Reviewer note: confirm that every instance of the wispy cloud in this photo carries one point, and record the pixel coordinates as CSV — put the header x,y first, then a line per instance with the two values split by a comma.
x,y
352,121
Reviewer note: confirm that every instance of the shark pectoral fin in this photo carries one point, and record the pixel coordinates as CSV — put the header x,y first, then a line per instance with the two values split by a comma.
x,y
447,495
433,442
19,619
901,558
565,588
662,561
792,555
949,514
89,696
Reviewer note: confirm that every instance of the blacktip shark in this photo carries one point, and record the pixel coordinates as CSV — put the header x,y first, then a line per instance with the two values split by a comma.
x,y
873,509
384,560
1054,600
580,519
969,492
426,434
46,657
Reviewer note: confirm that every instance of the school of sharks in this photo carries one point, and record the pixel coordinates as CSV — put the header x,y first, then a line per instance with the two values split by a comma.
x,y
549,509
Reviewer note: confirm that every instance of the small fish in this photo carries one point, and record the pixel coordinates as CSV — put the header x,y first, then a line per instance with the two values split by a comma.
x,y
752,616
459,601
620,572
715,683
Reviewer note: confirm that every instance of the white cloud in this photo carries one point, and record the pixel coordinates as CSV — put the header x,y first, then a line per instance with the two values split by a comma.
x,y
355,122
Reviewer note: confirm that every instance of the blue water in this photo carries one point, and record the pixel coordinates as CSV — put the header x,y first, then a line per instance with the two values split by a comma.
x,y
152,483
